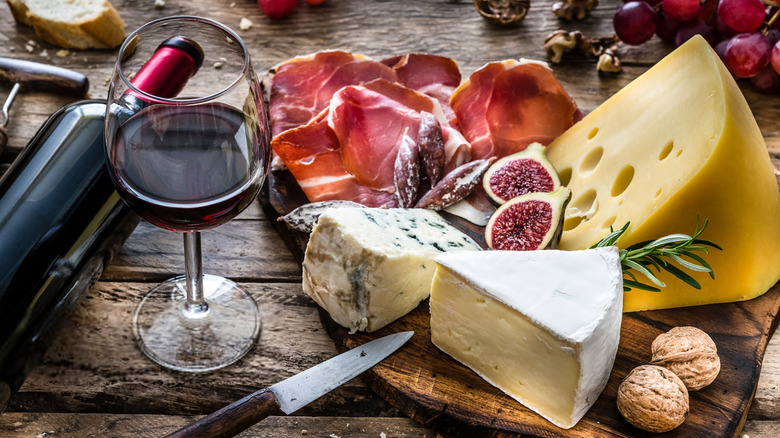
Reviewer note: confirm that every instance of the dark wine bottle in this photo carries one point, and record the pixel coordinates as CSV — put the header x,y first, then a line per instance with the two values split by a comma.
x,y
61,220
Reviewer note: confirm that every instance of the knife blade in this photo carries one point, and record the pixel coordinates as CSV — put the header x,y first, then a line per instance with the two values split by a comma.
x,y
294,392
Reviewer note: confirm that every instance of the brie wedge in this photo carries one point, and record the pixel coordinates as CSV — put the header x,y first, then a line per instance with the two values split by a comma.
x,y
542,326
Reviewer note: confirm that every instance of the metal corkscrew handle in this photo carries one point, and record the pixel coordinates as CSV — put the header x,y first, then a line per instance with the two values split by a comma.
x,y
39,77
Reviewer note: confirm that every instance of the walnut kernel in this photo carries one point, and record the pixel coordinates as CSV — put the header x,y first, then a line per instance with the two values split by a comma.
x,y
653,398
690,353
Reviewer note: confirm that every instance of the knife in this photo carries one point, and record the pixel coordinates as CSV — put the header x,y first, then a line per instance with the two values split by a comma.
x,y
295,392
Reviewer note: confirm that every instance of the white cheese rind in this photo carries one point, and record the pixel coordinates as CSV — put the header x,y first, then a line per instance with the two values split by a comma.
x,y
368,267
542,326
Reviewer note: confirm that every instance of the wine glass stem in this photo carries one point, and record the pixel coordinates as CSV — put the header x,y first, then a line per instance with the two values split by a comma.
x,y
195,306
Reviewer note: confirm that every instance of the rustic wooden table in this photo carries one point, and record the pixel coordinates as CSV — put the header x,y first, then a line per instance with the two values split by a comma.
x,y
95,382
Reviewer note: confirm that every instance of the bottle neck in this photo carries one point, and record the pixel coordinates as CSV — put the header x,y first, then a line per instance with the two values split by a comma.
x,y
168,70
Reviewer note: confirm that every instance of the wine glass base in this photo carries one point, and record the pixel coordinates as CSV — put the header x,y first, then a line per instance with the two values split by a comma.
x,y
182,340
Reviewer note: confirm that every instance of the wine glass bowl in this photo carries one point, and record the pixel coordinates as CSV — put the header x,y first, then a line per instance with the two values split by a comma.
x,y
187,147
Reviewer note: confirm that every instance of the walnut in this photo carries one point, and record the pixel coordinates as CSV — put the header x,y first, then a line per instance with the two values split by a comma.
x,y
571,9
503,12
690,353
560,41
608,62
653,398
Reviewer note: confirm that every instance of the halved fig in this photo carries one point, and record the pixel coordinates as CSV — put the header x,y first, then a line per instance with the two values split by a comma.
x,y
527,171
528,222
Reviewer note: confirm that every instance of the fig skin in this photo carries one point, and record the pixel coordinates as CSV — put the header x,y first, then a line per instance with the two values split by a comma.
x,y
527,171
506,233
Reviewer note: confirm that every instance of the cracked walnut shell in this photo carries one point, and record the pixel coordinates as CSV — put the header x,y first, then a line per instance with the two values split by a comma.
x,y
688,352
653,398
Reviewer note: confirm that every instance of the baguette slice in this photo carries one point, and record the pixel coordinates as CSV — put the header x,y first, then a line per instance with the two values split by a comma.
x,y
72,24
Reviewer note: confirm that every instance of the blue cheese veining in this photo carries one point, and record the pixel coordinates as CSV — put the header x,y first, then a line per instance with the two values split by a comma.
x,y
368,267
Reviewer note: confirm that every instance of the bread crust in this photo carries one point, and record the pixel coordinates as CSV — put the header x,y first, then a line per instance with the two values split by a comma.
x,y
105,31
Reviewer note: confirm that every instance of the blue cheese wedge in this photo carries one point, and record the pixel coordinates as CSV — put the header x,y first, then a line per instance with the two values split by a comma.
x,y
368,267
542,326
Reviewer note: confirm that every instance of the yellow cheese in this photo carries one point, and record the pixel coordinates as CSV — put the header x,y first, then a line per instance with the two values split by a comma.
x,y
677,143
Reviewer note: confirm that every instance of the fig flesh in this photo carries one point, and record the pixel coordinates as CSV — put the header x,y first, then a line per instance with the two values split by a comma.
x,y
527,171
528,222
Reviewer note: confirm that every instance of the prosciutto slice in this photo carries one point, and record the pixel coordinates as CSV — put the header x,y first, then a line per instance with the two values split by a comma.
x,y
433,75
370,122
303,86
348,151
506,105
312,154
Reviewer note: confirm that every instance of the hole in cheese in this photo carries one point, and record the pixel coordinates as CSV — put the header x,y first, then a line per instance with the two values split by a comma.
x,y
565,176
572,223
583,205
679,152
593,133
657,194
666,151
623,180
591,160
609,222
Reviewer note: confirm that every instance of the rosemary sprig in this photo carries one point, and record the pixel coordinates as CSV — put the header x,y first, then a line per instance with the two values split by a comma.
x,y
658,254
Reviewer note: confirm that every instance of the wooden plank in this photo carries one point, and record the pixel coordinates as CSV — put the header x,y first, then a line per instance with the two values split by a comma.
x,y
239,250
142,426
94,365
24,425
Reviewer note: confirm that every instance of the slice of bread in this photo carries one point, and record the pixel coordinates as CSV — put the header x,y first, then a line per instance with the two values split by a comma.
x,y
72,24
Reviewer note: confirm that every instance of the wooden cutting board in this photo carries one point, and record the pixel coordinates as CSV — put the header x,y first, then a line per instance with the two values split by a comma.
x,y
432,388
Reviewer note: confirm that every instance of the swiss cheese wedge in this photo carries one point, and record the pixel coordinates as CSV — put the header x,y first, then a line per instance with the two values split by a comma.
x,y
677,143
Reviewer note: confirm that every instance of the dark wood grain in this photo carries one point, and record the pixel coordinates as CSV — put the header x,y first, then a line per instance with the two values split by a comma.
x,y
431,387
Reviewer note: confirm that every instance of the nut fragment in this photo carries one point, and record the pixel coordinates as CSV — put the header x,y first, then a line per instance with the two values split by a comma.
x,y
502,12
653,398
571,9
690,353
608,62
560,41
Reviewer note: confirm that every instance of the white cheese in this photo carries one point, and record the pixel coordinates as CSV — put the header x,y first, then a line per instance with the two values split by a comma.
x,y
368,267
542,326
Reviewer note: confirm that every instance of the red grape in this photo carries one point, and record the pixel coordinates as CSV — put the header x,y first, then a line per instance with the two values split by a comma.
x,y
720,48
634,22
694,27
742,15
666,27
747,54
277,8
768,81
776,57
773,35
722,28
682,10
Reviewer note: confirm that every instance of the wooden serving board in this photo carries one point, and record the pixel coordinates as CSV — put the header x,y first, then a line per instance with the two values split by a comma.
x,y
432,388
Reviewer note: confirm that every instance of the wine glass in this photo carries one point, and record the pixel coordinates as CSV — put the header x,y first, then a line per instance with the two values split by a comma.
x,y
188,150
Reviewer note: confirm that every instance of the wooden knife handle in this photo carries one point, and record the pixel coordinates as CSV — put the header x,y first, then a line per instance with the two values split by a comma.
x,y
232,419
42,77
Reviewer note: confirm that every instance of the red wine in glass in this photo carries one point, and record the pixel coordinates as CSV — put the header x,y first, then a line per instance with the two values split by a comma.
x,y
187,168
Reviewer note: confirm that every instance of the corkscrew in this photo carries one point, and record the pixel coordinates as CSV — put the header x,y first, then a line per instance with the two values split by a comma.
x,y
28,75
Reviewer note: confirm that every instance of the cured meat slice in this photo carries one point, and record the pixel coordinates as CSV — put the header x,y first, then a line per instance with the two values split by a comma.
x,y
312,154
432,75
506,105
370,122
302,87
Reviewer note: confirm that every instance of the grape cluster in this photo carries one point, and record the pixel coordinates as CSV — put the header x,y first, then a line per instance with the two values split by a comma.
x,y
744,33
